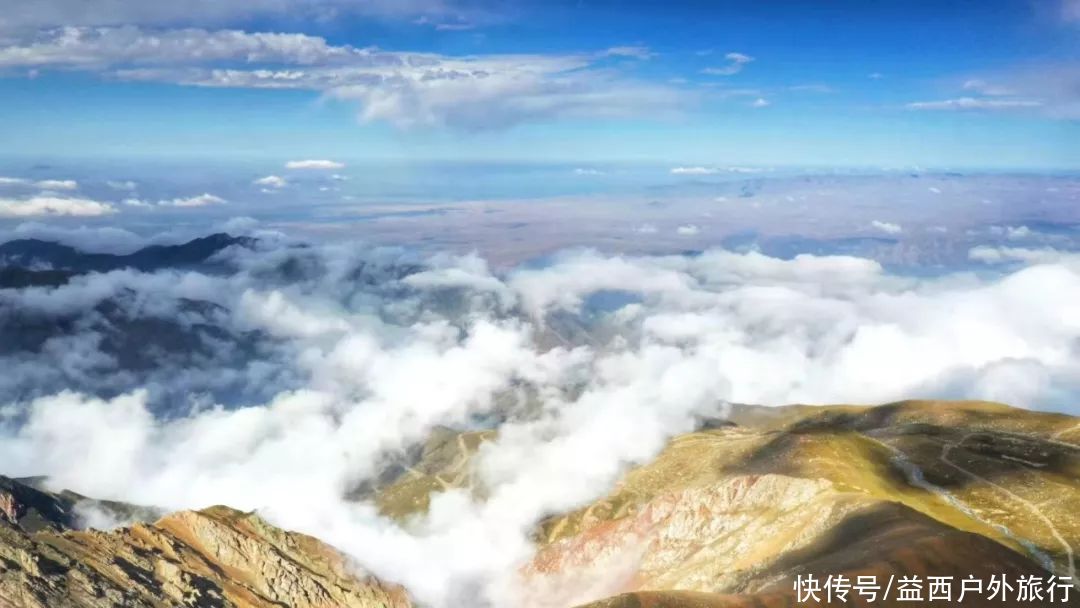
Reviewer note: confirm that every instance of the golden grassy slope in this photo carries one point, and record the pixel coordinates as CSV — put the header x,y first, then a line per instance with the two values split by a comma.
x,y
1009,478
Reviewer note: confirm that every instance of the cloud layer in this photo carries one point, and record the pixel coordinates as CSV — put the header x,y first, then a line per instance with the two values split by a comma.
x,y
402,88
349,356
46,204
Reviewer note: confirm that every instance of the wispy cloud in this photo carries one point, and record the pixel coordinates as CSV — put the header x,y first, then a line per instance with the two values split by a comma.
x,y
811,88
975,103
736,63
403,88
49,13
983,87
1070,11
1051,90
635,52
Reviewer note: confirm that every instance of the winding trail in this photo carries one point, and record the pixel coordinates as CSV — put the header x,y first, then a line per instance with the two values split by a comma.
x,y
1065,431
947,448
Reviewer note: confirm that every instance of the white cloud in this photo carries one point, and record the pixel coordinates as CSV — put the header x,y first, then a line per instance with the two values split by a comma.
x,y
58,184
736,63
1053,89
45,184
760,102
702,170
973,103
587,171
1012,233
634,52
811,88
402,88
48,13
314,164
646,229
459,26
75,47
887,227
126,186
201,200
985,88
45,204
1002,255
688,230
695,171
272,181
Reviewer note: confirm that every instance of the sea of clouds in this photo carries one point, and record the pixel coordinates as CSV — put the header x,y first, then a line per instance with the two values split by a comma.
x,y
313,365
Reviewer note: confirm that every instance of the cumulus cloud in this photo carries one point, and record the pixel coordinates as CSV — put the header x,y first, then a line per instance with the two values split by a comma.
x,y
314,164
736,63
271,181
687,230
887,227
345,332
47,204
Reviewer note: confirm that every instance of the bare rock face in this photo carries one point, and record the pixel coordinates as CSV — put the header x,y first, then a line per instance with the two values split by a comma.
x,y
732,515
216,557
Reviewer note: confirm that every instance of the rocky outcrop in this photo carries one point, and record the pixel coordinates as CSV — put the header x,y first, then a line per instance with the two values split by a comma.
x,y
216,557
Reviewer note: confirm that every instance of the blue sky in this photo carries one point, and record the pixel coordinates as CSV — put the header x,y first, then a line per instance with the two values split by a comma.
x,y
993,84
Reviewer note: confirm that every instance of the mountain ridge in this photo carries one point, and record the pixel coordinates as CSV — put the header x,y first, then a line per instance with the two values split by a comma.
x,y
39,262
